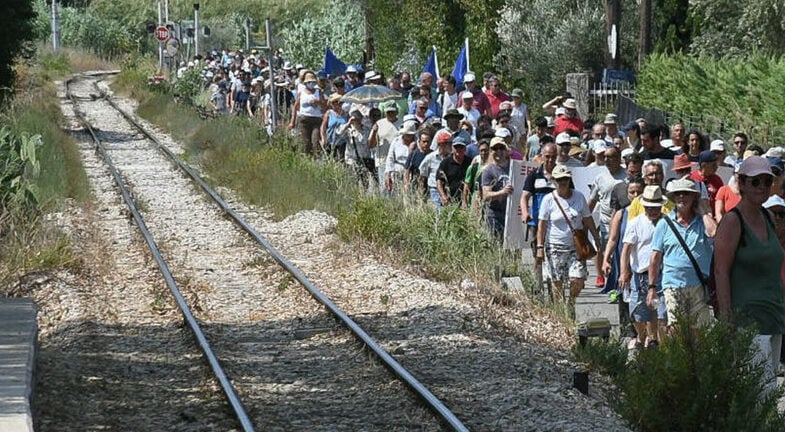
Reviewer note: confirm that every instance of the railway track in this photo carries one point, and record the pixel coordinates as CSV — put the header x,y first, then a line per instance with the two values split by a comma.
x,y
339,388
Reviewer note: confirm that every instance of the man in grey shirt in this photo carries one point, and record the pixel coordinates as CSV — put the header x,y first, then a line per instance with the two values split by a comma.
x,y
601,191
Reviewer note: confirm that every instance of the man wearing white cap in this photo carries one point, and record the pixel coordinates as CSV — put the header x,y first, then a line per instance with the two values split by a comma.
x,y
480,101
564,144
352,80
397,156
468,110
598,147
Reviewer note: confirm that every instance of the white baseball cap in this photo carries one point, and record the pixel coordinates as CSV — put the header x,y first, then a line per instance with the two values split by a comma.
x,y
502,132
469,77
717,145
599,146
563,138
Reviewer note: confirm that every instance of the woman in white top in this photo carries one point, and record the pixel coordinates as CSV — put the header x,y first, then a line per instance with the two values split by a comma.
x,y
554,236
397,156
308,109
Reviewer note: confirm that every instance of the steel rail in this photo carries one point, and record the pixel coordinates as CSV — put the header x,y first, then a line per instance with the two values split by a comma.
x,y
204,345
429,398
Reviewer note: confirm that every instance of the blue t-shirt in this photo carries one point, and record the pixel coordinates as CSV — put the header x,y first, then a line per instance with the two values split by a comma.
x,y
677,269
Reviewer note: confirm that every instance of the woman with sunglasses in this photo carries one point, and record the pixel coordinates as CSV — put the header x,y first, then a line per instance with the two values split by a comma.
x,y
332,119
555,244
748,260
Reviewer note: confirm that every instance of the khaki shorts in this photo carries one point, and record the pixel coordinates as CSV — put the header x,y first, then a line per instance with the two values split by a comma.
x,y
687,300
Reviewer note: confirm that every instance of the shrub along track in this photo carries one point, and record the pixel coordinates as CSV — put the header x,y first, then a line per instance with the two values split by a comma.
x,y
293,366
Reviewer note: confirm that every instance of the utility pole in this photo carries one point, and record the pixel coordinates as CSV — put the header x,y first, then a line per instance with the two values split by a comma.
x,y
273,91
612,28
196,29
248,34
160,44
644,39
55,27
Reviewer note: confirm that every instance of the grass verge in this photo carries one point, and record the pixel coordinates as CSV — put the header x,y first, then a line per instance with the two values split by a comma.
x,y
28,242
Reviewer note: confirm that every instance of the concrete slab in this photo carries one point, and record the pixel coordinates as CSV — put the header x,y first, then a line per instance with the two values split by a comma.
x,y
18,337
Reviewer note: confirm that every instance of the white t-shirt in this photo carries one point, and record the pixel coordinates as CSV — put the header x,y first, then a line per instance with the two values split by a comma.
x,y
576,209
639,232
430,166
472,115
396,157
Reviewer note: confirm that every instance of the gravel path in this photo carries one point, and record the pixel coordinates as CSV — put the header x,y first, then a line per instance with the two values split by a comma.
x,y
293,366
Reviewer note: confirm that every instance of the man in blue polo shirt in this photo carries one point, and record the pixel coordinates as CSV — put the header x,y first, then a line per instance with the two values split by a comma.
x,y
681,284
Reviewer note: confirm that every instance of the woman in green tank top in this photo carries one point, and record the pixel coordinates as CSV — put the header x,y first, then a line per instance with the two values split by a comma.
x,y
747,260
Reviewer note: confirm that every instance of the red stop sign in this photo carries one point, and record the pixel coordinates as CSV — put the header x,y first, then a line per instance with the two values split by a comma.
x,y
162,33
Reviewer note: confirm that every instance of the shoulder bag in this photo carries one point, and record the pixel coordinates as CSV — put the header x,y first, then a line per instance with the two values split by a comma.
x,y
708,293
583,247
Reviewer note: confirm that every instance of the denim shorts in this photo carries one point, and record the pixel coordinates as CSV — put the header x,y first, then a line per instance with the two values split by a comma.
x,y
639,289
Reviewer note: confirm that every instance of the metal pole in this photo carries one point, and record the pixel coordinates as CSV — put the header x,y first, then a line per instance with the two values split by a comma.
x,y
160,44
196,29
55,27
247,34
166,10
273,104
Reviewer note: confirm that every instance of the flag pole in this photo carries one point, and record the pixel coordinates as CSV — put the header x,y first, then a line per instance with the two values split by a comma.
x,y
436,62
468,67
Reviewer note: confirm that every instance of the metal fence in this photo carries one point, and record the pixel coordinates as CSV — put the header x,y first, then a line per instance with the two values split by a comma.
x,y
716,128
603,98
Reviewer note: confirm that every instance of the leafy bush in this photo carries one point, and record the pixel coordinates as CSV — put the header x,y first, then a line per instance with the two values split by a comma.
x,y
18,169
697,380
744,95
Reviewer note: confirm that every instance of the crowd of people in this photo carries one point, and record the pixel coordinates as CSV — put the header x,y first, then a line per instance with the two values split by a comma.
x,y
451,145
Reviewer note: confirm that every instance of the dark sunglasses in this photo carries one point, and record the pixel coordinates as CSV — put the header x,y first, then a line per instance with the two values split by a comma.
x,y
757,181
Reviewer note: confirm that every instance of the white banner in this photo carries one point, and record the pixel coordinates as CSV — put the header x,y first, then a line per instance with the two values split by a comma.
x,y
582,177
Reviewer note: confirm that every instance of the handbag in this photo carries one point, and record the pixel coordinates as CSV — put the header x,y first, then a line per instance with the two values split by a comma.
x,y
583,247
709,296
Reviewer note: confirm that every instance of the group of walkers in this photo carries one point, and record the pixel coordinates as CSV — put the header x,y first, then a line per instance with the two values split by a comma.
x,y
657,240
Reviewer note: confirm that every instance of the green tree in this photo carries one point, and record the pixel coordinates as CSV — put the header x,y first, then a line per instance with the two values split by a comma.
x,y
543,40
672,26
16,29
737,28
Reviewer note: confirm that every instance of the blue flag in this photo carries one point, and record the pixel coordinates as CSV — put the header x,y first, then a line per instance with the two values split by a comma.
x,y
432,66
461,67
332,65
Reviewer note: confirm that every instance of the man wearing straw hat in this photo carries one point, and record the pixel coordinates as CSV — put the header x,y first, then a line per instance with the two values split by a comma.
x,y
681,283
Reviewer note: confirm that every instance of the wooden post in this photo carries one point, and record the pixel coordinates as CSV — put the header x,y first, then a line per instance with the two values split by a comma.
x,y
644,38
